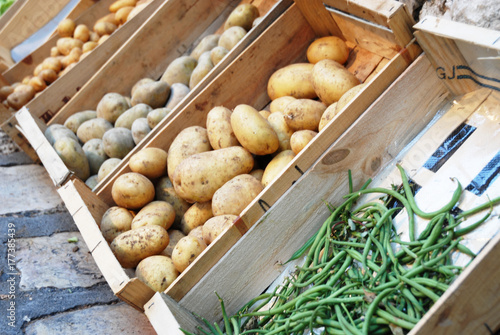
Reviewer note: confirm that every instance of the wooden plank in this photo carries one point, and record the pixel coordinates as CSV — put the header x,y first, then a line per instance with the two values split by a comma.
x,y
376,11
7,16
316,14
10,128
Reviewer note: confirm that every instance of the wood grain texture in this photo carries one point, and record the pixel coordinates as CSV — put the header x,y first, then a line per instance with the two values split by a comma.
x,y
7,16
319,19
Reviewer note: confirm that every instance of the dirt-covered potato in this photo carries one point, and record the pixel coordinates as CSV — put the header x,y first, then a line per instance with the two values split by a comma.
x,y
95,154
72,155
292,80
253,131
198,176
215,226
304,114
231,36
153,94
328,47
279,104
66,27
93,128
220,132
66,44
196,216
150,162
140,128
111,106
128,117
82,33
74,121
179,70
157,271
21,96
235,195
276,166
116,220
189,141
278,123
118,142
203,67
207,43
331,80
177,92
243,16
132,190
217,54
134,245
174,236
186,251
106,167
164,190
300,139
158,212
328,115
156,115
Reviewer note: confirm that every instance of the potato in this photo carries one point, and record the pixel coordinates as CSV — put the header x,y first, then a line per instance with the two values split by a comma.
x,y
235,195
134,245
115,6
111,18
331,80
153,94
292,80
253,132
122,14
95,154
300,139
88,46
159,213
157,271
189,141
37,83
21,96
56,131
111,106
257,174
304,114
203,67
118,142
92,181
279,104
198,176
156,115
179,70
186,251
215,226
93,128
164,190
137,9
128,117
52,63
150,162
243,16
276,166
5,91
197,232
94,37
140,82
26,79
72,155
48,75
348,96
196,216
265,114
132,190
66,44
207,43
105,28
174,236
66,70
116,220
328,47
82,33
231,36
107,166
102,39
278,123
66,27
140,128
328,115
219,130
217,54
54,52
72,57
73,122
177,92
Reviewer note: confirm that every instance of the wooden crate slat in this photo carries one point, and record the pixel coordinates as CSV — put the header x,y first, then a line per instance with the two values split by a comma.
x,y
7,16
316,14
376,11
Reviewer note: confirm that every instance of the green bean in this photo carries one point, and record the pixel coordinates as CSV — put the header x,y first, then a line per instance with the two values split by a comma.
x,y
472,226
420,288
416,270
479,208
399,314
323,272
346,327
435,246
373,305
335,277
462,248
394,320
431,283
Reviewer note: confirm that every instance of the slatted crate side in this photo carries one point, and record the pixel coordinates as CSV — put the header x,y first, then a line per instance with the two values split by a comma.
x,y
7,16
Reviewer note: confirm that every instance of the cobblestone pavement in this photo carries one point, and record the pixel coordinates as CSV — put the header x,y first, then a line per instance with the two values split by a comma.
x,y
49,282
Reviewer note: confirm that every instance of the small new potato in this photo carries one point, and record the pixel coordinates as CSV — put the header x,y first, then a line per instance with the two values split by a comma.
x,y
276,166
117,5
304,114
21,96
328,47
106,167
331,80
150,162
89,46
186,251
105,28
93,128
132,191
179,70
37,83
235,195
66,44
66,27
243,16
215,226
164,190
278,123
122,14
157,271
231,36
111,106
196,216
174,236
52,63
327,116
300,139
82,33
73,156
48,75
134,245
158,212
140,128
219,130
292,80
253,131
116,220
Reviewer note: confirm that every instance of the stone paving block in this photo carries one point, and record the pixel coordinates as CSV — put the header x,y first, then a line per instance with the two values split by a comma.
x,y
25,188
111,319
52,261
7,145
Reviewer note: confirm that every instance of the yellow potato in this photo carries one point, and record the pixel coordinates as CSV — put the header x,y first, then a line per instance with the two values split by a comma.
x,y
82,33
140,129
156,115
300,139
278,122
48,75
132,191
66,44
111,18
292,80
157,271
186,251
217,54
21,96
178,91
198,176
276,166
304,114
215,226
203,67
257,174
66,27
128,117
73,156
219,130
94,127
89,46
328,47
179,70
26,79
231,36
328,115
37,83
243,16
52,63
115,6
94,37
54,52
158,212
122,14
95,154
265,114
102,39
135,245
196,216
165,191
253,131
105,28
235,195
279,104
72,57
150,162
106,167
331,80
153,94
189,141
207,43
174,236
116,220
348,96
197,232
111,106
5,91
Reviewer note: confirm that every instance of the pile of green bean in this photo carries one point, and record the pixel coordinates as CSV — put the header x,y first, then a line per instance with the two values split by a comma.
x,y
359,277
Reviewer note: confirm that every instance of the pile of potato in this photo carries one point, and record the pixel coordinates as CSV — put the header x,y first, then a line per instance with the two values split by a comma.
x,y
74,44
173,205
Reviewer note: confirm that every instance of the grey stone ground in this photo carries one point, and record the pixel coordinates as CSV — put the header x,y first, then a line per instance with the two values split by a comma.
x,y
49,285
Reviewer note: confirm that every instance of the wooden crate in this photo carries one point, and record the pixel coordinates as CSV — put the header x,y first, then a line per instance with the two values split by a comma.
x,y
407,124
168,41
378,60
45,105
